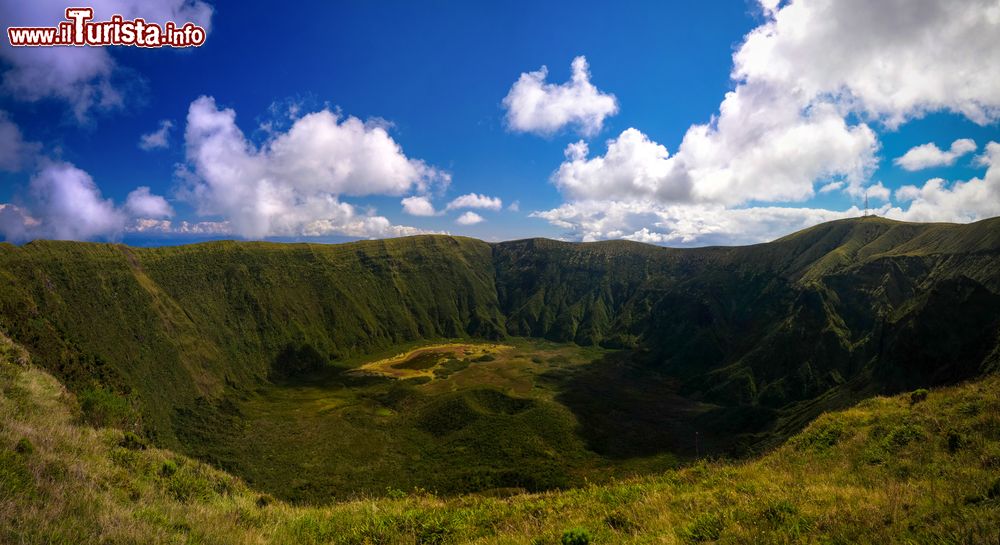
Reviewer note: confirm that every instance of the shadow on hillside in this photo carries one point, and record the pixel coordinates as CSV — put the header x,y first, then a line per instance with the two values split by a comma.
x,y
627,408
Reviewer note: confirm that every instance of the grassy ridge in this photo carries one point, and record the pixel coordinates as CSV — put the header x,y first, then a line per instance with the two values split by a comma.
x,y
917,468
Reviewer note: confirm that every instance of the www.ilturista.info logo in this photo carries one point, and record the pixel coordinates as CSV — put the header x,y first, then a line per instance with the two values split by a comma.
x,y
79,30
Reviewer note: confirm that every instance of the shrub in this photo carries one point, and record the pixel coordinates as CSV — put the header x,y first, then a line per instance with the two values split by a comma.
x,y
824,433
168,468
132,441
575,536
916,396
24,446
264,500
104,408
189,485
994,491
955,441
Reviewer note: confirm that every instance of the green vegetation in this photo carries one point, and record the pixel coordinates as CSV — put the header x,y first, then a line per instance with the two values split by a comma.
x,y
566,385
79,485
810,322
460,426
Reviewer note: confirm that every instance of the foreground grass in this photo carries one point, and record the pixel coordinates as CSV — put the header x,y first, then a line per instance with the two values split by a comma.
x,y
890,470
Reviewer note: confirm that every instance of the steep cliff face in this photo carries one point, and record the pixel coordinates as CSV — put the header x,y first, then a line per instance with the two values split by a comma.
x,y
866,304
166,326
895,303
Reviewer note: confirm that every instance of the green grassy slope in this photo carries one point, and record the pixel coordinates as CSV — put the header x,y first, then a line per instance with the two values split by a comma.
x,y
167,326
152,339
904,469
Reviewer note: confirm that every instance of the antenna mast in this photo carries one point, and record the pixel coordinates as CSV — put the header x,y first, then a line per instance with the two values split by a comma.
x,y
866,203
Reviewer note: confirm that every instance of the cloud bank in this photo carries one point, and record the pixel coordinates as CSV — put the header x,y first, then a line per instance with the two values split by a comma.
x,y
292,184
810,84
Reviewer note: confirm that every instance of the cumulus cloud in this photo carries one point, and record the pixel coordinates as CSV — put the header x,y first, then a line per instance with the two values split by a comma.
x,y
83,77
418,206
891,60
699,224
291,184
875,191
168,227
683,224
743,156
929,155
937,200
544,108
141,203
469,218
158,139
473,200
810,84
63,203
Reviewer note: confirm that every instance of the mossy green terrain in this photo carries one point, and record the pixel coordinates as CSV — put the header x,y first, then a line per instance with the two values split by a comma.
x,y
906,469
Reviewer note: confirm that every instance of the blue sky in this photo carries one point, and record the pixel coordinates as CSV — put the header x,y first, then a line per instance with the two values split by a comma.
x,y
434,76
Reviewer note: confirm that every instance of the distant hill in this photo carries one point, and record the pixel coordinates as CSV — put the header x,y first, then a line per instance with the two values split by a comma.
x,y
779,331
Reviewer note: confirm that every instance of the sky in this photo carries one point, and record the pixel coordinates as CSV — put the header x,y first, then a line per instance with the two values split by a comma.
x,y
672,123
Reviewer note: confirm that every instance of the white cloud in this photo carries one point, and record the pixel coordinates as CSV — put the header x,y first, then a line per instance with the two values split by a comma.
x,y
683,224
83,77
832,186
810,83
742,157
514,206
929,155
469,218
893,59
473,200
64,203
970,200
418,206
158,139
140,203
876,191
699,224
291,184
633,167
157,226
544,108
